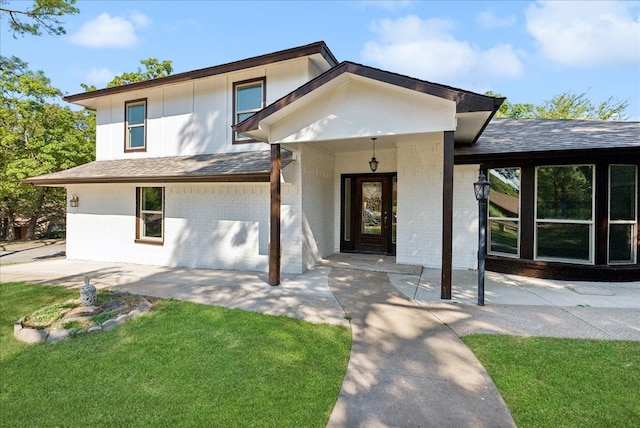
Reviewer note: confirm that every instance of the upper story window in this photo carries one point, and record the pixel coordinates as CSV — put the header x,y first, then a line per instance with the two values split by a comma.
x,y
504,211
135,122
564,213
249,98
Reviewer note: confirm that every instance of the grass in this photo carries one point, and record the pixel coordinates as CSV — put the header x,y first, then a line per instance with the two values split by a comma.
x,y
548,382
182,364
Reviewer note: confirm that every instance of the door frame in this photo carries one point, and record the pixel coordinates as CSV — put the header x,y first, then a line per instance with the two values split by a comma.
x,y
349,211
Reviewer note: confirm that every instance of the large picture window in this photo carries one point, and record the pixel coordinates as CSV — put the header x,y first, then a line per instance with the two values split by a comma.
x,y
564,213
150,214
623,214
249,98
504,211
135,118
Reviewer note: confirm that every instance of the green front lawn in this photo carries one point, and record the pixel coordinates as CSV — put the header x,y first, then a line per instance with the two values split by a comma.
x,y
549,382
182,364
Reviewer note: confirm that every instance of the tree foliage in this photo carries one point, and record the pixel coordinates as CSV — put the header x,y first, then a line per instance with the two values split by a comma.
x,y
153,69
37,136
566,105
44,15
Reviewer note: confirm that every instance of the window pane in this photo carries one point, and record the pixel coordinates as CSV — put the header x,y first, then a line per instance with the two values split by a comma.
x,y
504,193
136,137
371,208
622,192
243,116
503,236
152,198
564,241
135,114
152,225
347,209
621,243
564,192
249,97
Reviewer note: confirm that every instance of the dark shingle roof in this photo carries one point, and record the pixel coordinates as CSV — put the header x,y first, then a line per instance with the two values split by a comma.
x,y
538,136
227,167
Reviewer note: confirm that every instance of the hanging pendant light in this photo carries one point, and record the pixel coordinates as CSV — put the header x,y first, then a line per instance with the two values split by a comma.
x,y
373,163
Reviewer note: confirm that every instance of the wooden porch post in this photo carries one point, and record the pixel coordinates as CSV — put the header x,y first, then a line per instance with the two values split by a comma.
x,y
274,241
447,216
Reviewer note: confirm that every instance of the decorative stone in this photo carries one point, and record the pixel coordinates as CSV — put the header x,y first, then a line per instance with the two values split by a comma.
x,y
109,324
58,334
122,319
31,335
87,293
134,314
94,329
144,306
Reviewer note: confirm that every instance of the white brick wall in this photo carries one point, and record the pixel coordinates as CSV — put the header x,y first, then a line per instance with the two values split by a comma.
x,y
419,232
465,218
220,226
318,220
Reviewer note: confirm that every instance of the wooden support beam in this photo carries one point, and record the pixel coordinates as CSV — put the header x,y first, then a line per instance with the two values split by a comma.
x,y
274,242
447,216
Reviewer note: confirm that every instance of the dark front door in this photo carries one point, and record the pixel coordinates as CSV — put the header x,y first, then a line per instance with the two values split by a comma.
x,y
369,214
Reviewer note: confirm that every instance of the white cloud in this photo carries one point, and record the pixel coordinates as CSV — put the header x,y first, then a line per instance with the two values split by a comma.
x,y
586,33
427,49
110,31
99,76
490,20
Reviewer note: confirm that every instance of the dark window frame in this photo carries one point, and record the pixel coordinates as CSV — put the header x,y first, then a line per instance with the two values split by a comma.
x,y
139,211
127,140
239,85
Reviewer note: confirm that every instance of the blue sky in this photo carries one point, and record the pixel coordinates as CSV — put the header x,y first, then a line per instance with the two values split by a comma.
x,y
528,51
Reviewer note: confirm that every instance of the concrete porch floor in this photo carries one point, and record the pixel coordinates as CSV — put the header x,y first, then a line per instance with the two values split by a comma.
x,y
423,285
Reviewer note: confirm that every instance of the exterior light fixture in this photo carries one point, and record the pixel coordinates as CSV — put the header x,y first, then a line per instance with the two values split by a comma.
x,y
74,201
373,163
481,189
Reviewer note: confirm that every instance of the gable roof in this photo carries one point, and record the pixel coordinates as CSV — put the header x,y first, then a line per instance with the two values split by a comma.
x,y
317,48
466,101
253,166
550,138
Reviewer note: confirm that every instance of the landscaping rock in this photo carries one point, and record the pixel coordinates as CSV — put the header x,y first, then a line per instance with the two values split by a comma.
x,y
134,314
58,334
122,319
94,329
109,325
144,306
31,335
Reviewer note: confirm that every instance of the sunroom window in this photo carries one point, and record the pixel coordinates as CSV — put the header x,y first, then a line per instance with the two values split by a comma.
x,y
249,99
150,214
504,211
623,215
136,115
564,213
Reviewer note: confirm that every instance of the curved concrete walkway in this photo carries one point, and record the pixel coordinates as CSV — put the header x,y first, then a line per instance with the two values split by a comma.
x,y
407,369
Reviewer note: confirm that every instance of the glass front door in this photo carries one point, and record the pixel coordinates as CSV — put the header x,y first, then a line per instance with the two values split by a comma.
x,y
368,213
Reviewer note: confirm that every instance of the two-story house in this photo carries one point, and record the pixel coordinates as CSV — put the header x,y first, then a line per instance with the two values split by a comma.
x,y
273,162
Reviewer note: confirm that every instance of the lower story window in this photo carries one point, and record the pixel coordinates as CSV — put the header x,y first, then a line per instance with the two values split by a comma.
x,y
504,211
150,214
623,216
564,213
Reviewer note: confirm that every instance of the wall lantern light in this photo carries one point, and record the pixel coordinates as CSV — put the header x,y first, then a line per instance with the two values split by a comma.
x,y
373,163
481,189
74,201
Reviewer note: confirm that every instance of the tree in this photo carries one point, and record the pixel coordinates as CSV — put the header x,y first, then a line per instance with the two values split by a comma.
x,y
44,15
154,69
566,105
37,136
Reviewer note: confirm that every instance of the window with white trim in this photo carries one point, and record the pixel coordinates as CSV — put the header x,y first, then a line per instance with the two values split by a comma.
x,y
623,213
150,214
135,120
564,213
504,211
249,98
